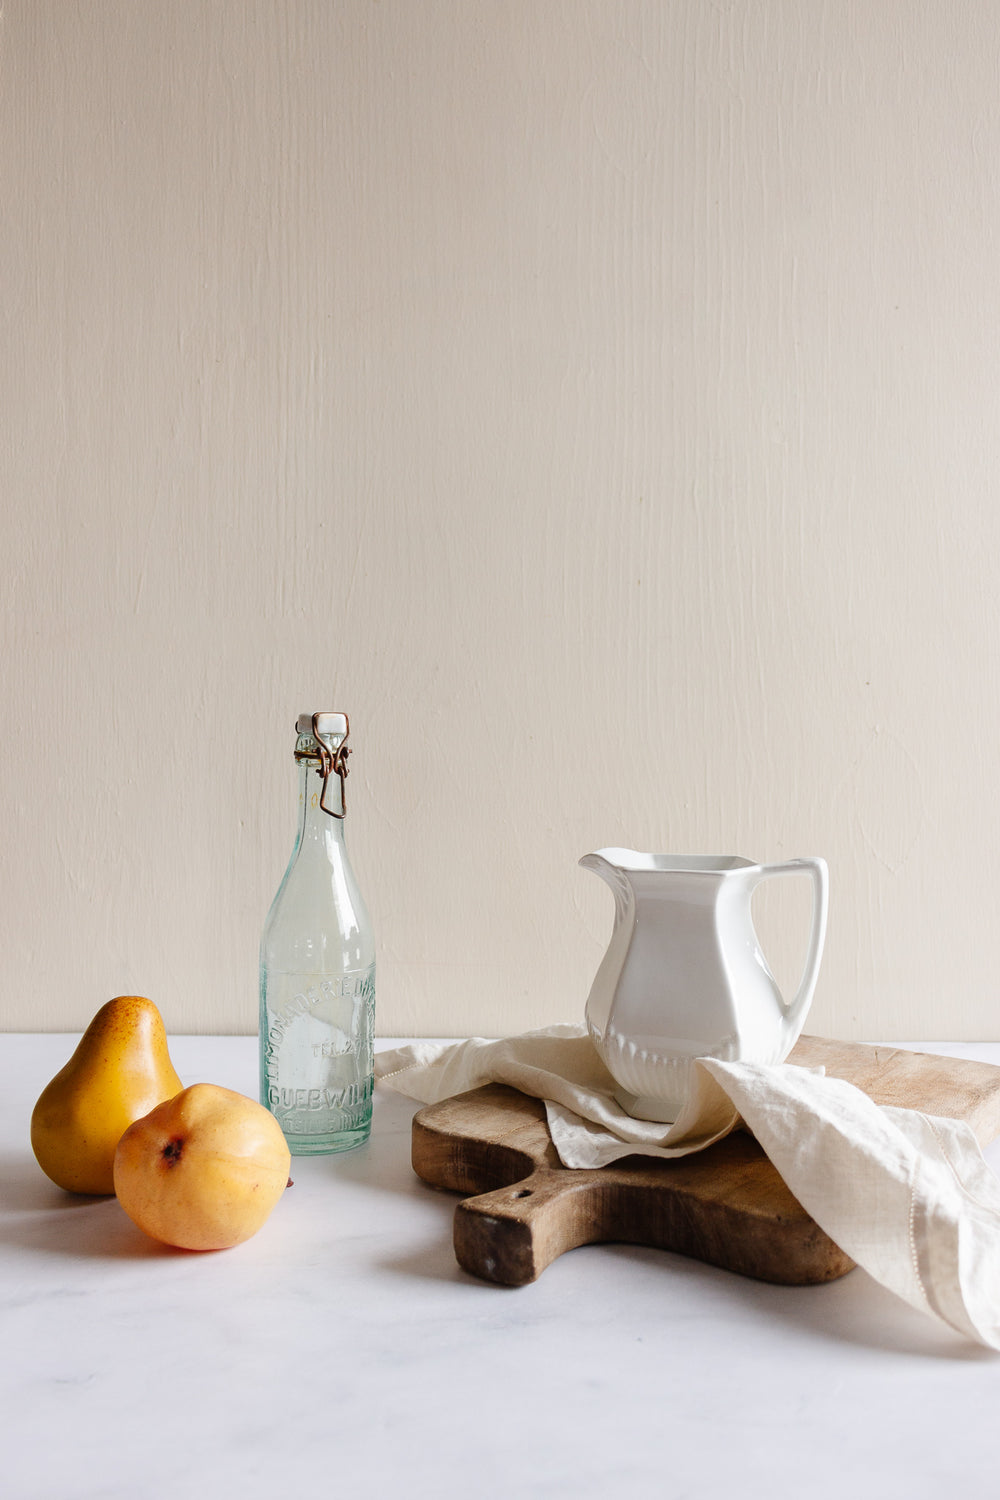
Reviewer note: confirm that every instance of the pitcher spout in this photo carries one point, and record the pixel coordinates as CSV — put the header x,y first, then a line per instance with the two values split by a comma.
x,y
611,862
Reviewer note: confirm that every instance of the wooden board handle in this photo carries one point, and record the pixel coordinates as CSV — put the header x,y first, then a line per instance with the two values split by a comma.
x,y
511,1234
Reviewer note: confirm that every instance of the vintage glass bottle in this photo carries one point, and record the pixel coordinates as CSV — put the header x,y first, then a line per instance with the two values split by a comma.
x,y
317,965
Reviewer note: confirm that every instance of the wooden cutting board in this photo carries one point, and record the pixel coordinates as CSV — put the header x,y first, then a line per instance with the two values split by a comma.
x,y
726,1205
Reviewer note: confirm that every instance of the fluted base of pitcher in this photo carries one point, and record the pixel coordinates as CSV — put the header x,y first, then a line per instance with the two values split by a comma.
x,y
653,1083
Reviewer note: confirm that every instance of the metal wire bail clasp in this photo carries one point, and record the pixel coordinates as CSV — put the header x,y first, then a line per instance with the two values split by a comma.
x,y
333,761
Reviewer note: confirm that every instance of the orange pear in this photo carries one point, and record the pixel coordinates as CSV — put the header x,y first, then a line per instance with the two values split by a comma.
x,y
202,1170
118,1073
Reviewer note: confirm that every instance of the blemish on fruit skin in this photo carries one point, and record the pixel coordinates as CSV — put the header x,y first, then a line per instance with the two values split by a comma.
x,y
171,1152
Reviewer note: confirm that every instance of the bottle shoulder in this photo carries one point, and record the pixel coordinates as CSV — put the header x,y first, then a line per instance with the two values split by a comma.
x,y
318,919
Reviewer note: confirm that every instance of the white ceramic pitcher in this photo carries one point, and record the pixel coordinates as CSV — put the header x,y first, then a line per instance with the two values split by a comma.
x,y
684,975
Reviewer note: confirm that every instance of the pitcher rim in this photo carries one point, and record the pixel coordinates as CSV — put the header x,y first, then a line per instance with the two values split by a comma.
x,y
636,862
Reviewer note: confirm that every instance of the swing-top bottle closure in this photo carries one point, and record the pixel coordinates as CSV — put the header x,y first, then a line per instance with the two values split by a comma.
x,y
322,739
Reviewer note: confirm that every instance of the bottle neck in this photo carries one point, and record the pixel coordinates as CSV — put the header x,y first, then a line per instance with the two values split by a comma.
x,y
316,826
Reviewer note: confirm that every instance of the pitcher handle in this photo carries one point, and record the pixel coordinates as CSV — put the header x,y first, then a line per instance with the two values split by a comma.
x,y
795,1012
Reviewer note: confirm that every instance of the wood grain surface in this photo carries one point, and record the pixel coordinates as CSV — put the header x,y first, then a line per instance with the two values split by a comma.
x,y
726,1205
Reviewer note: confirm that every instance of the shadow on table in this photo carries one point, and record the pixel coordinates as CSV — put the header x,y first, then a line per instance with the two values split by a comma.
x,y
40,1217
854,1309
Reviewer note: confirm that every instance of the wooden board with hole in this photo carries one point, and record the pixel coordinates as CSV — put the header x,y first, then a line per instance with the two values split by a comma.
x,y
726,1205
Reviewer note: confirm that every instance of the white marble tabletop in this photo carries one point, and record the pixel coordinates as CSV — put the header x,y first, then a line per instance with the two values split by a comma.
x,y
343,1352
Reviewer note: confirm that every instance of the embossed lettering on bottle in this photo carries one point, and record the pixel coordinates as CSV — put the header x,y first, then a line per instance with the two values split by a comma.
x,y
318,1057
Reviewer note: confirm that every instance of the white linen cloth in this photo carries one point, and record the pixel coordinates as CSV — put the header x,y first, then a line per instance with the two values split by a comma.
x,y
908,1196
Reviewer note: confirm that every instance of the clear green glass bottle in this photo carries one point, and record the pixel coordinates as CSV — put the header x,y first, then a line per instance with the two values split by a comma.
x,y
317,965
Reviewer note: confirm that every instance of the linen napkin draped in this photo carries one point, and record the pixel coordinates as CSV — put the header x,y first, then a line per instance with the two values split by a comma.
x,y
909,1196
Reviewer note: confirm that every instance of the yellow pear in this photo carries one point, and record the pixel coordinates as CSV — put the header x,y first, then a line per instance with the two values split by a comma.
x,y
118,1073
202,1170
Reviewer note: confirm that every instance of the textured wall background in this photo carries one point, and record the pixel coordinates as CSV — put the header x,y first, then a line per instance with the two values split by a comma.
x,y
596,398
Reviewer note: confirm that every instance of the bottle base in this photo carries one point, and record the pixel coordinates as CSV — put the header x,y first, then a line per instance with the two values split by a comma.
x,y
328,1145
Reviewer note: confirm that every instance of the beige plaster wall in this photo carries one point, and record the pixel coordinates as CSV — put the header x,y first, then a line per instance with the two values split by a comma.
x,y
598,399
